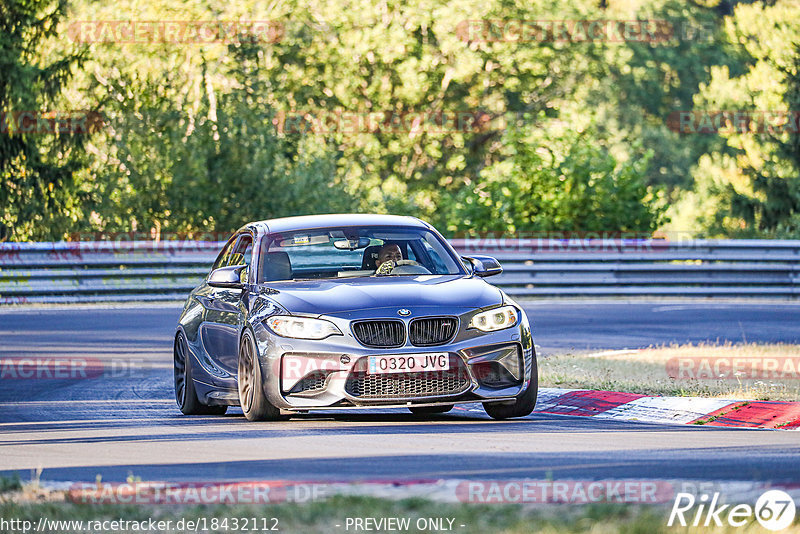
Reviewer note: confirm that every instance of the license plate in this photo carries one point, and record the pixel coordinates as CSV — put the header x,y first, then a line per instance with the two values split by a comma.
x,y
409,363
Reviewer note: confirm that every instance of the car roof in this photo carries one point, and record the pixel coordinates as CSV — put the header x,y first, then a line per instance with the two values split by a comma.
x,y
288,224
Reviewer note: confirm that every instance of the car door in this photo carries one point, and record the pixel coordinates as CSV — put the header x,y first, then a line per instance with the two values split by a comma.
x,y
225,309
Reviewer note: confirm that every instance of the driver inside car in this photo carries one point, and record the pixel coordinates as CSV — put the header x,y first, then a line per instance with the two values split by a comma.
x,y
388,256
390,262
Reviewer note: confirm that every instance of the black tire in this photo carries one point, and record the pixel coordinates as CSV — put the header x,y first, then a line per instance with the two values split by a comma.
x,y
522,406
254,403
424,410
185,394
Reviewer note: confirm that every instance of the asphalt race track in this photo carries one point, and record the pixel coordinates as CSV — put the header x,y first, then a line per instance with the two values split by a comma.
x,y
124,420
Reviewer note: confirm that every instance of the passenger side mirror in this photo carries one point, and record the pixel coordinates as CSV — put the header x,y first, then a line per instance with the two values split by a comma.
x,y
227,277
484,266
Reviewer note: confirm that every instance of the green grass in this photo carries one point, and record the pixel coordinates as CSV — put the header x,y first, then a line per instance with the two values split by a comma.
x,y
645,372
10,484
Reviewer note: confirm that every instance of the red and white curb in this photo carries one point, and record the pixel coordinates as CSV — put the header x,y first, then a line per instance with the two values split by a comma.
x,y
670,410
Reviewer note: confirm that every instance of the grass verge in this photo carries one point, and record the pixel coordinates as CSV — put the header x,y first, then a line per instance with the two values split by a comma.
x,y
741,371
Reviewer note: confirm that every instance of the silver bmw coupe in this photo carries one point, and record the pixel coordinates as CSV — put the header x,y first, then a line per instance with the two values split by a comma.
x,y
332,312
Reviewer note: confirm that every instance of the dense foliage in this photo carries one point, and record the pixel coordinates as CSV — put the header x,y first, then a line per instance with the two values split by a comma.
x,y
39,194
423,107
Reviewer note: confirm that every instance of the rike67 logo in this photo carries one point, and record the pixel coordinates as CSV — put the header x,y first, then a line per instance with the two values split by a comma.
x,y
774,510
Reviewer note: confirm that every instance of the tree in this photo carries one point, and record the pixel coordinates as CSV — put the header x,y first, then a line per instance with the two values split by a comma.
x,y
420,107
566,183
419,67
646,82
39,196
211,165
754,183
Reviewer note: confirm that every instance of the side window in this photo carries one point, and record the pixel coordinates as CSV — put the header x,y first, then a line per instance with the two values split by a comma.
x,y
242,254
224,256
243,251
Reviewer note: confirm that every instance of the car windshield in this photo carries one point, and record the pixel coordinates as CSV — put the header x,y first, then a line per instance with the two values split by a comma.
x,y
355,251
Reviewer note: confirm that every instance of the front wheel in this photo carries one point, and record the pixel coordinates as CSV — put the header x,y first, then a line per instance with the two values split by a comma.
x,y
185,394
522,406
254,403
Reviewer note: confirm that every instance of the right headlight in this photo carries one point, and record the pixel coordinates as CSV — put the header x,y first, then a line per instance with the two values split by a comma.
x,y
496,319
301,327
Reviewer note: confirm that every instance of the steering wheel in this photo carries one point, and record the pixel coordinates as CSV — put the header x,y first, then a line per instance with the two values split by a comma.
x,y
409,267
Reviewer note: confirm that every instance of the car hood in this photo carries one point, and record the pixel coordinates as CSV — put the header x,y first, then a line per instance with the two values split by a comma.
x,y
342,297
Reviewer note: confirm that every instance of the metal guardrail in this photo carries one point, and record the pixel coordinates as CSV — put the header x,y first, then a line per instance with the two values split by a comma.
x,y
168,270
103,271
644,267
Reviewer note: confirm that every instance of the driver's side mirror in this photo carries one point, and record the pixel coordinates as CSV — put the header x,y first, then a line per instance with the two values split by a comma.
x,y
484,266
227,277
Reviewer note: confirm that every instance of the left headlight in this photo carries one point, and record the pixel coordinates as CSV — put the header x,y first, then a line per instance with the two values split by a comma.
x,y
496,319
302,327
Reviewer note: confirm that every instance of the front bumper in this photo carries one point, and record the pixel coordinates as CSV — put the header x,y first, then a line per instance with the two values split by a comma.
x,y
332,373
